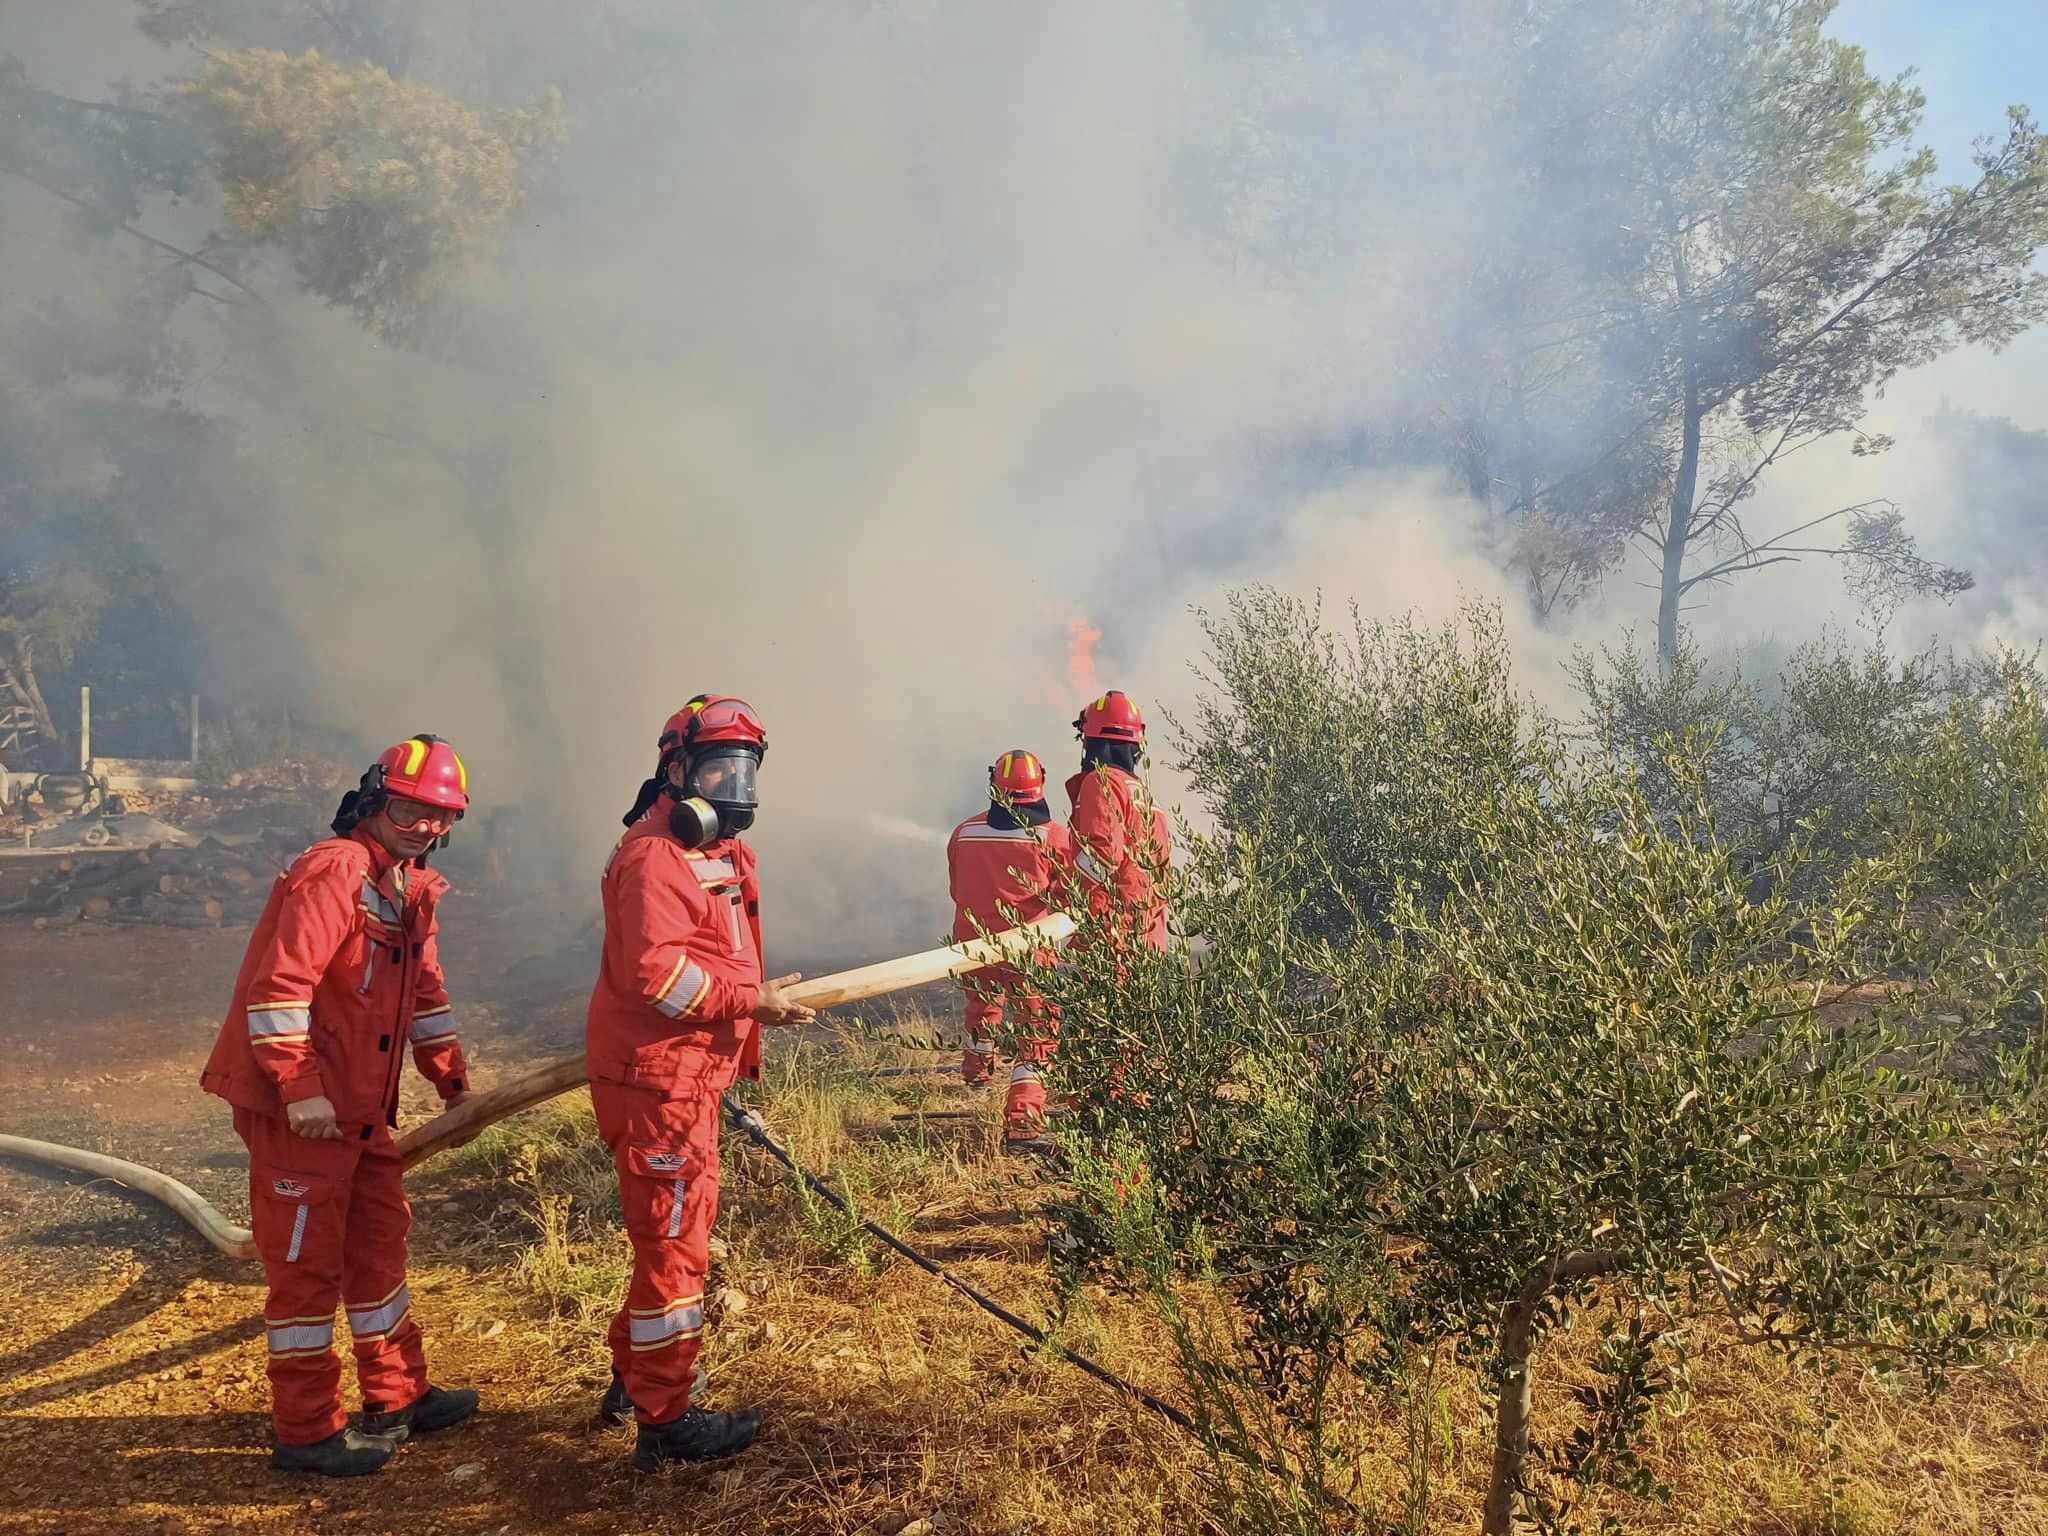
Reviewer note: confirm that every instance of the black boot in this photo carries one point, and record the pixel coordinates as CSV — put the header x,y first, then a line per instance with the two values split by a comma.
x,y
345,1453
434,1409
616,1407
699,1435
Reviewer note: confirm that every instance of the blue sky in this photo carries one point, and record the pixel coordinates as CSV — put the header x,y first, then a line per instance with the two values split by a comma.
x,y
1973,58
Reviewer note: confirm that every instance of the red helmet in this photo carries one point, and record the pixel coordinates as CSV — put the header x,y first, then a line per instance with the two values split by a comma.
x,y
425,768
1113,717
713,717
1017,777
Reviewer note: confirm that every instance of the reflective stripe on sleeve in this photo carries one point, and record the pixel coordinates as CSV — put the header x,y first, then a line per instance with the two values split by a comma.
x,y
1090,867
280,1021
433,1026
684,989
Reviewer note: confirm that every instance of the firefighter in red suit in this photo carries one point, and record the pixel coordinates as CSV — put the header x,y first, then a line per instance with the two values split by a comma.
x,y
341,977
1122,842
1005,867
675,1018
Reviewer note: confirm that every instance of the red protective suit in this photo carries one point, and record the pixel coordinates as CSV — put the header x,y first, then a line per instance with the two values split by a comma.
x,y
340,976
1001,876
1123,845
667,1033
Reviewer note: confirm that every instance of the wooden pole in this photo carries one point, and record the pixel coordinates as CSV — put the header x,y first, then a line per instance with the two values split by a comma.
x,y
84,729
195,729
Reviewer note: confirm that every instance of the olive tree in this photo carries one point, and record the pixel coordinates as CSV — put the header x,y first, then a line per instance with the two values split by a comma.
x,y
1364,748
1586,1075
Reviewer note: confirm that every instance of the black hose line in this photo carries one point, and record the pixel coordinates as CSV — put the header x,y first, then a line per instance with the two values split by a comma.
x,y
757,1132
749,1122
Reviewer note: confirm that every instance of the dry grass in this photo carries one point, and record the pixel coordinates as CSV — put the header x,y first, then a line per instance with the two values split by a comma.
x,y
892,1399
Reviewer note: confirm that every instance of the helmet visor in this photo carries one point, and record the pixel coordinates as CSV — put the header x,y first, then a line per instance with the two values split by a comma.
x,y
726,776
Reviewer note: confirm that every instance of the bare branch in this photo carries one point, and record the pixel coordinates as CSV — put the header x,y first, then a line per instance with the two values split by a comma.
x,y
126,228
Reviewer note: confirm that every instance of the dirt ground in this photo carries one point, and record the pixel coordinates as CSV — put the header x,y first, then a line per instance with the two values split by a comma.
x,y
133,1400
132,1390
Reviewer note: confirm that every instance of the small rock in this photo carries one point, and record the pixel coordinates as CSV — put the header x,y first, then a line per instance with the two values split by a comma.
x,y
771,1331
732,1302
492,1330
719,1251
466,1471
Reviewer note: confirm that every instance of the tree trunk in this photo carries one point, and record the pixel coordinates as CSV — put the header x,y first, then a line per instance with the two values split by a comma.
x,y
18,678
1678,519
1517,1388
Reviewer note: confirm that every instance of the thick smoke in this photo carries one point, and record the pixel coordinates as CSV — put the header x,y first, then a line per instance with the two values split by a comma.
x,y
846,358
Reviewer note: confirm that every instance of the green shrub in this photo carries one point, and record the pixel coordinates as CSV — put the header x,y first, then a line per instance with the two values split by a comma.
x,y
1363,753
1574,1065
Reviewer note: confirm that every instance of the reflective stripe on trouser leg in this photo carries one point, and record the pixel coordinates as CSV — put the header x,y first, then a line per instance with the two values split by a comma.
x,y
977,1060
664,1326
657,1335
1024,1106
391,1354
982,1017
305,1288
299,1335
378,1319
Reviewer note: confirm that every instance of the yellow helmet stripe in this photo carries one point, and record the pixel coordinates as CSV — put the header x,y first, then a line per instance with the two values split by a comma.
x,y
461,771
415,755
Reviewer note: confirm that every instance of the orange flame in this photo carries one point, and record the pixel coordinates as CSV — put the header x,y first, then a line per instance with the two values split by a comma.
x,y
1081,638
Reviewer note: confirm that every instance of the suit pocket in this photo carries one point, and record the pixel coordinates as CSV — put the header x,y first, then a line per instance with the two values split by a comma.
x,y
294,1210
654,1187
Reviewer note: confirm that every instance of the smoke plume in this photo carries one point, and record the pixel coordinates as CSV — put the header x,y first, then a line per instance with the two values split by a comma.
x,y
908,369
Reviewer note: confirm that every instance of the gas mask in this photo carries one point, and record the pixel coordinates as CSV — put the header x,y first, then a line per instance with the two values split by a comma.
x,y
719,795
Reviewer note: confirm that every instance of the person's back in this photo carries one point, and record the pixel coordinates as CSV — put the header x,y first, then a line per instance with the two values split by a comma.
x,y
1003,870
1122,841
1005,866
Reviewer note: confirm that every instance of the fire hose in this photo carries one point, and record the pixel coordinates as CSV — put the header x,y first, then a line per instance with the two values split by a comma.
x,y
545,1082
459,1125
